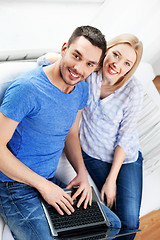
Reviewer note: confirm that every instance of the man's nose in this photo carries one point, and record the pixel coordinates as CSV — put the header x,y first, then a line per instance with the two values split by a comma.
x,y
79,67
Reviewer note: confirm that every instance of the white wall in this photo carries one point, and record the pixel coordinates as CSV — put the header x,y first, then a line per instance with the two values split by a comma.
x,y
30,26
40,25
140,17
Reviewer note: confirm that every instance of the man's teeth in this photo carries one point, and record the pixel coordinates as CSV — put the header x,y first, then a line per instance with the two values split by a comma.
x,y
74,75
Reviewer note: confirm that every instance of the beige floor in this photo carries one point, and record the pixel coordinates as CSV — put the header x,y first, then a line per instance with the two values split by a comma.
x,y
157,83
150,227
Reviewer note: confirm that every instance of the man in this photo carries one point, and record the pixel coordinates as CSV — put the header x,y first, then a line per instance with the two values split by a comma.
x,y
41,112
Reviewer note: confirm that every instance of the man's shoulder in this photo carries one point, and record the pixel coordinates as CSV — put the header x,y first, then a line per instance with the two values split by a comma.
x,y
23,83
29,74
83,89
83,85
25,78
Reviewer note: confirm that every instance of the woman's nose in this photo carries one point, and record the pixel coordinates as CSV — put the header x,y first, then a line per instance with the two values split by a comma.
x,y
117,65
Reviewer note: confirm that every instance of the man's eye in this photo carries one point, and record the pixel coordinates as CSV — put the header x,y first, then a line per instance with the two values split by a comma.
x,y
76,56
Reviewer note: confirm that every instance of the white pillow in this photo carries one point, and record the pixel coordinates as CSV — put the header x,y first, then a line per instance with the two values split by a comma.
x,y
145,74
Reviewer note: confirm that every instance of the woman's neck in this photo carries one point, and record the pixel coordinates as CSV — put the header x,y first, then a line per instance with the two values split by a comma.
x,y
106,90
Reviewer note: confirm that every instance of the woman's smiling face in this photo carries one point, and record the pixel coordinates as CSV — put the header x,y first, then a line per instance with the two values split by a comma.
x,y
118,61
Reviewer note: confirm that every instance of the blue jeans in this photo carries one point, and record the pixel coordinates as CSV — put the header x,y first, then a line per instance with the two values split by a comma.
x,y
129,189
21,209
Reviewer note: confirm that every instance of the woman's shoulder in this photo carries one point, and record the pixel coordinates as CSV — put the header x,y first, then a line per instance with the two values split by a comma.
x,y
134,85
94,77
134,89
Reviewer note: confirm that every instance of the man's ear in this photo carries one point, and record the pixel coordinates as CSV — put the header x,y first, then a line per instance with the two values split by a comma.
x,y
64,49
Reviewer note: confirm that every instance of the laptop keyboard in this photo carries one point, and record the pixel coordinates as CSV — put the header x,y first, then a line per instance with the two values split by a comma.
x,y
80,216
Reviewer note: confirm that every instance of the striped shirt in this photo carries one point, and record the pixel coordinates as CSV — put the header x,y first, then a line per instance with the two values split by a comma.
x,y
111,121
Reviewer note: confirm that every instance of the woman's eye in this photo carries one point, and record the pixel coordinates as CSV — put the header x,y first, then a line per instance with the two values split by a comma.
x,y
127,63
90,64
116,55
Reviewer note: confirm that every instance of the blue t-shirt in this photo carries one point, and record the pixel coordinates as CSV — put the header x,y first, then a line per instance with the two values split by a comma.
x,y
45,115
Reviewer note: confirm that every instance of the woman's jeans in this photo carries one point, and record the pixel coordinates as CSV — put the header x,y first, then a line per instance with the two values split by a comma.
x,y
129,189
21,209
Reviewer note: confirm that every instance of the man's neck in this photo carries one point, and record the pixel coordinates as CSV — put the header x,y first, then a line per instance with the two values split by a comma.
x,y
53,74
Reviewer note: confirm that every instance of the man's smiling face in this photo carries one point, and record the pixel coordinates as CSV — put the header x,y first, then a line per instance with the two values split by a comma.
x,y
79,60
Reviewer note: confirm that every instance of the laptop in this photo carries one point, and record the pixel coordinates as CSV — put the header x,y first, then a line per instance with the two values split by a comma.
x,y
81,223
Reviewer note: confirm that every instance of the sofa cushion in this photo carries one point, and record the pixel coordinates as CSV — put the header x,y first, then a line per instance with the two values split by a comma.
x,y
145,74
10,70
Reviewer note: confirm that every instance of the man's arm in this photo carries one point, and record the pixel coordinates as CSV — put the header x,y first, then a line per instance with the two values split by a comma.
x,y
16,170
74,155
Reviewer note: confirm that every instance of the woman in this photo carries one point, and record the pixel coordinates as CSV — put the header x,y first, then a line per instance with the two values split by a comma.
x,y
108,133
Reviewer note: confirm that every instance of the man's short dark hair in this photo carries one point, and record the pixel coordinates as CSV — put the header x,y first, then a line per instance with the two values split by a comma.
x,y
93,35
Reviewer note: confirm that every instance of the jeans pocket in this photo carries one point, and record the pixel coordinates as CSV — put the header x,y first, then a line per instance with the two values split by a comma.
x,y
20,192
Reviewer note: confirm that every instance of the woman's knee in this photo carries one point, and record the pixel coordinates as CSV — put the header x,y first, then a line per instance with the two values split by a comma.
x,y
112,217
128,214
130,222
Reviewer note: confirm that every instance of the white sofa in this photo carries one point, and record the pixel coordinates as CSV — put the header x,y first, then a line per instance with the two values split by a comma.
x,y
9,70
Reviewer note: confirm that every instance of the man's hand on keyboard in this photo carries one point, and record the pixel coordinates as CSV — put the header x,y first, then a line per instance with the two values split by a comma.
x,y
84,189
57,197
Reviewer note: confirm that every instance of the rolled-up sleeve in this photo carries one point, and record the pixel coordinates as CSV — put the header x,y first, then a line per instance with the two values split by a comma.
x,y
131,114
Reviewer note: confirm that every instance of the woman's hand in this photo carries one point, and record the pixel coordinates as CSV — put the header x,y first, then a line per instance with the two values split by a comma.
x,y
84,189
109,191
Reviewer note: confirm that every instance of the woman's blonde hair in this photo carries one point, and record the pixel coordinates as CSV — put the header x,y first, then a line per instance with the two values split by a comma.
x,y
137,45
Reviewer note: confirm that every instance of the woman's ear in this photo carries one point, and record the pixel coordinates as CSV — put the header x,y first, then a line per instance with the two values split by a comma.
x,y
64,49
